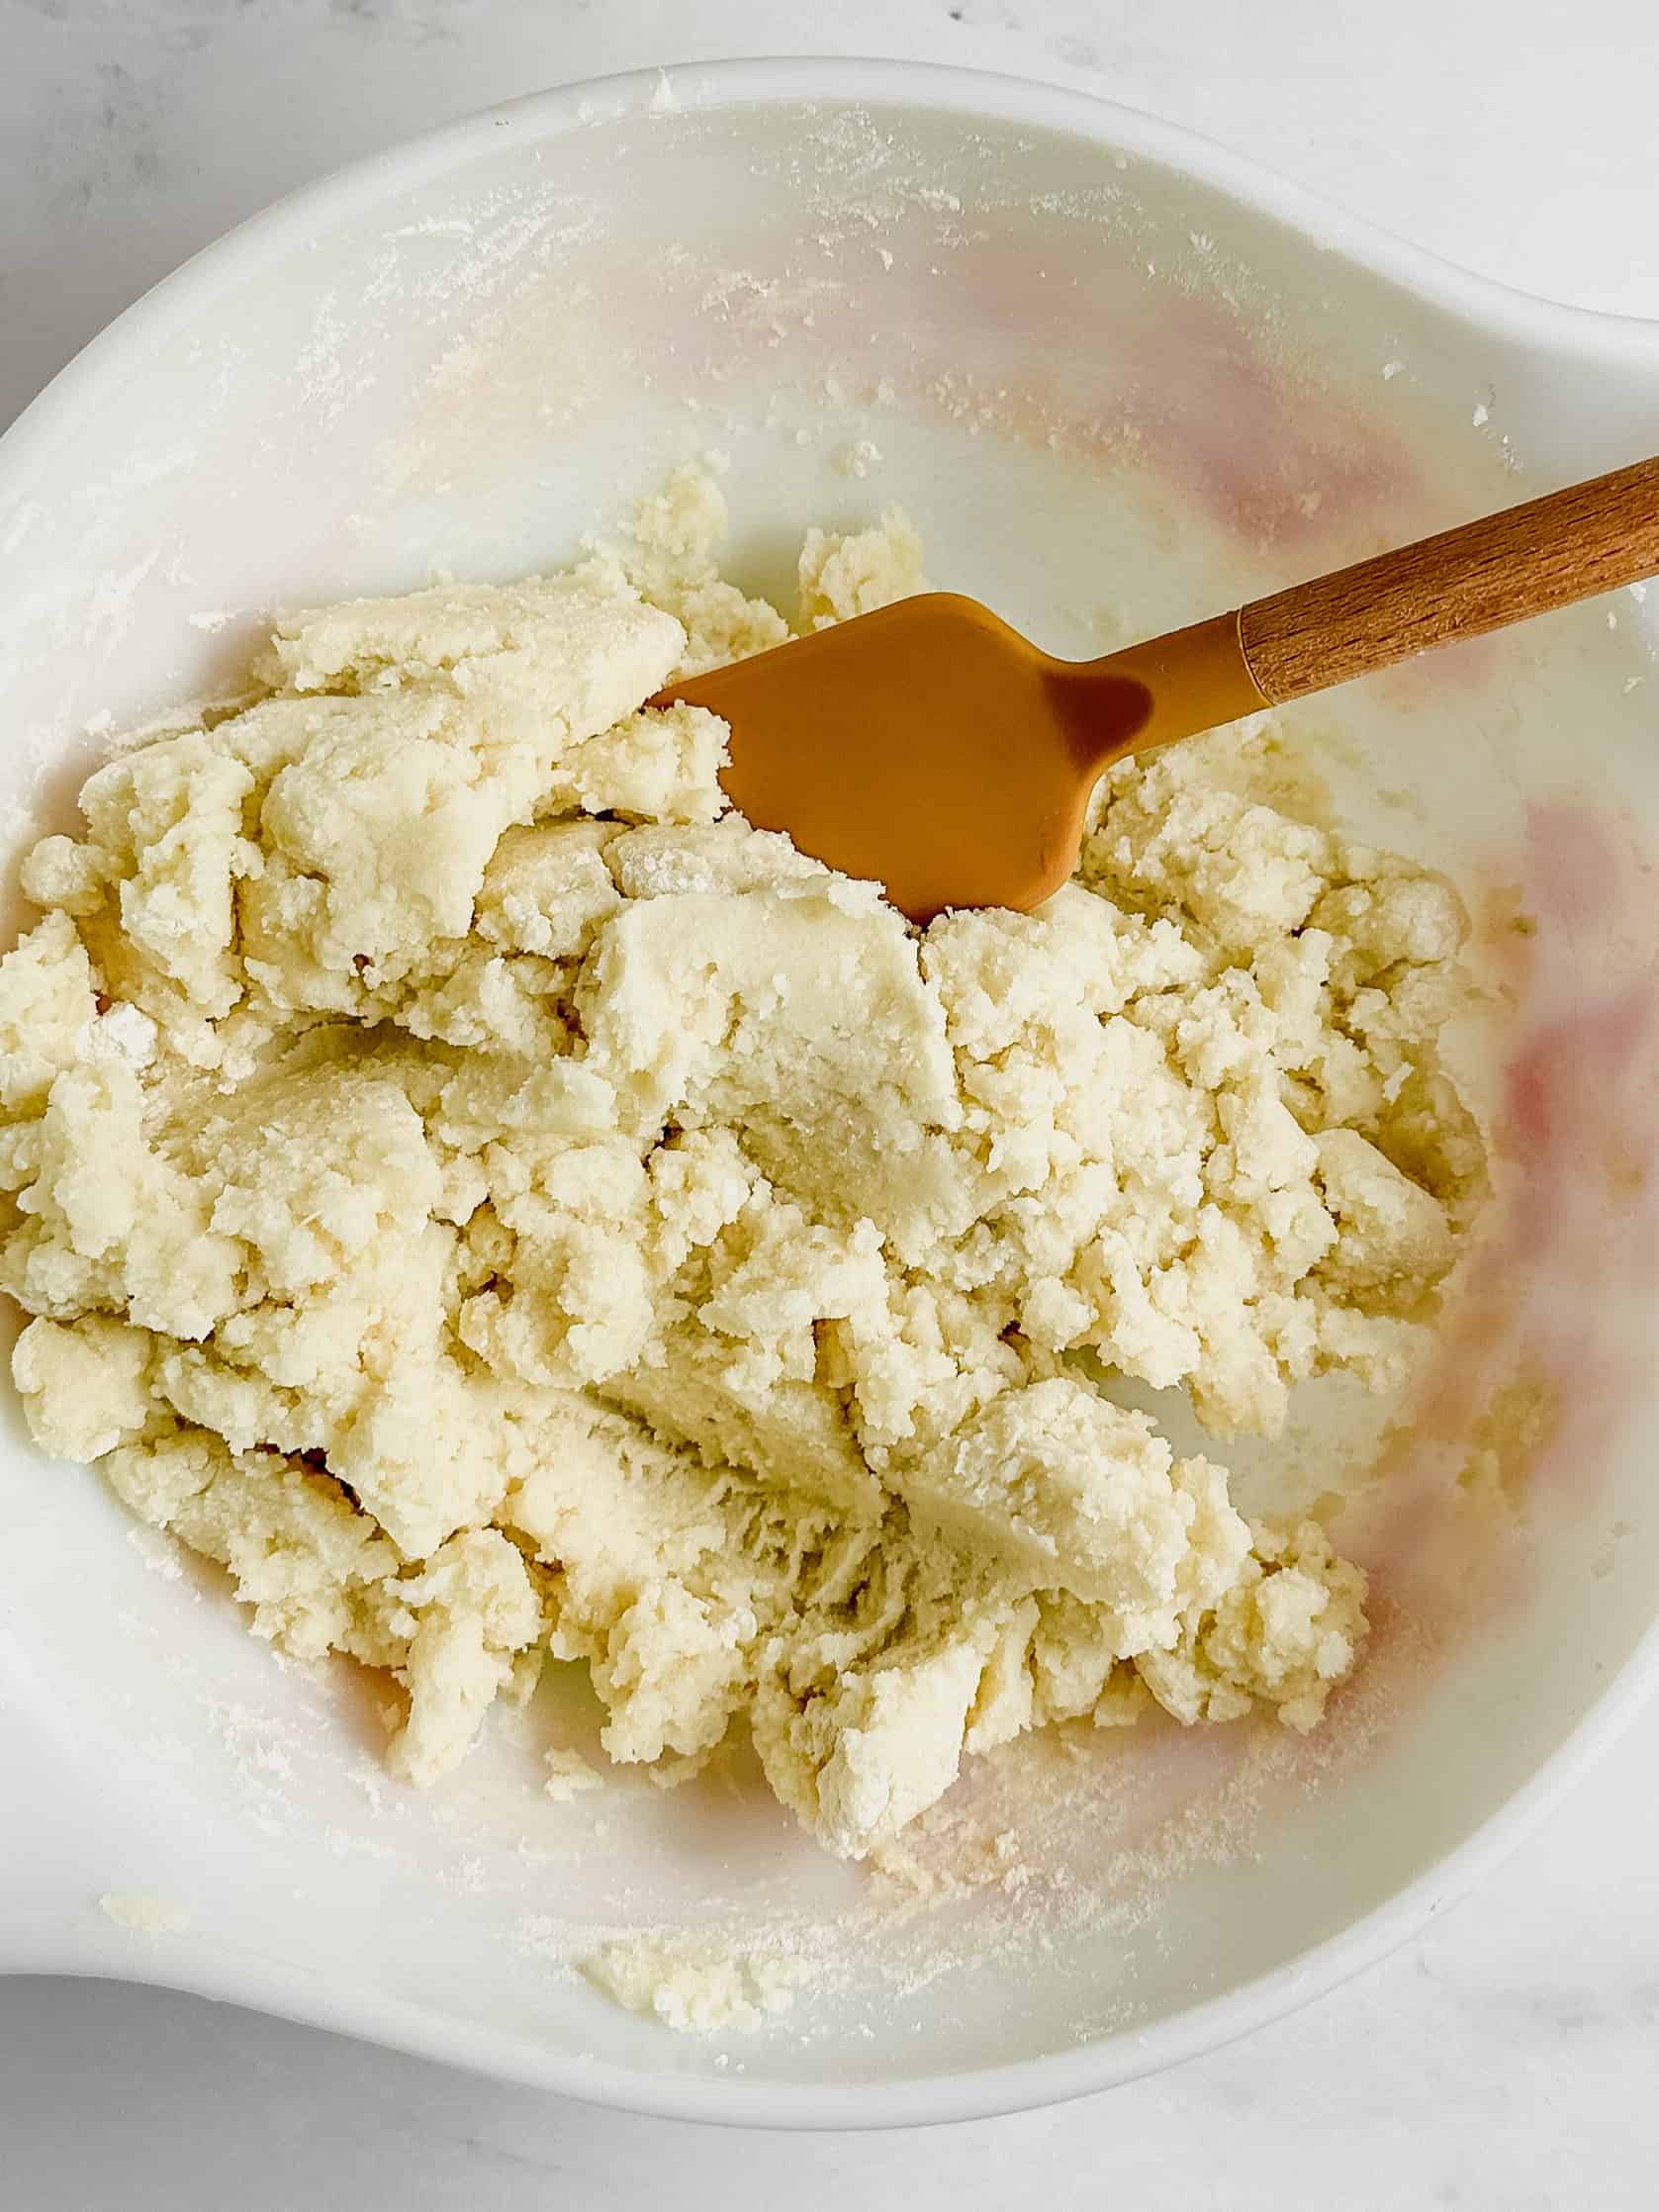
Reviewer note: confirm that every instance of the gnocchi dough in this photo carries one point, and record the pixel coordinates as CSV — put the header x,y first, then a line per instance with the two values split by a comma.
x,y
499,1204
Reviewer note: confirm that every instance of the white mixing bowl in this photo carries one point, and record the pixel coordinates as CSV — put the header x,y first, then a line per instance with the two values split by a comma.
x,y
1119,379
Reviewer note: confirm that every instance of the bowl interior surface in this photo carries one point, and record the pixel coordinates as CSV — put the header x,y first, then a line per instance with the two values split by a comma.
x,y
1114,397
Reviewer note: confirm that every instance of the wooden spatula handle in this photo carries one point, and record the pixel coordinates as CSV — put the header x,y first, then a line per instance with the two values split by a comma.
x,y
1567,546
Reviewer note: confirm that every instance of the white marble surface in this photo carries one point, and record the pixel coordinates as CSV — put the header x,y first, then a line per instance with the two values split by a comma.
x,y
1511,2057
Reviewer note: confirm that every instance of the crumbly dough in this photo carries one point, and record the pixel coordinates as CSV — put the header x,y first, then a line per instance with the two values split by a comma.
x,y
499,1204
696,1982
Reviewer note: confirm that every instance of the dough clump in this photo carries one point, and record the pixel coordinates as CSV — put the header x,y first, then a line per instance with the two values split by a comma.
x,y
473,1185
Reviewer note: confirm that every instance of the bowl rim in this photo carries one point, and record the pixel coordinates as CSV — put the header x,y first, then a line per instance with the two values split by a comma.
x,y
1613,342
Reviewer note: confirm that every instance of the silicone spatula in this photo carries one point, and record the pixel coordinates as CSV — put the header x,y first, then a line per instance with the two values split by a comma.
x,y
932,748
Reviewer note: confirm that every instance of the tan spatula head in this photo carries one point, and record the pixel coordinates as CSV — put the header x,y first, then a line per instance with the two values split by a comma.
x,y
932,748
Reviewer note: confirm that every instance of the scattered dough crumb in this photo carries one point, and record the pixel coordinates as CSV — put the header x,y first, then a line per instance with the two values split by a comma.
x,y
698,1983
857,457
144,1914
568,1776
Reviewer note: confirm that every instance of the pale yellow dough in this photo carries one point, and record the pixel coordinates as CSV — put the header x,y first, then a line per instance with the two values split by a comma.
x,y
498,1203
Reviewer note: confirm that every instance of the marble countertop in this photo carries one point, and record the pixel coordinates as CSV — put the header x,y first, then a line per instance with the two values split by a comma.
x,y
1507,2059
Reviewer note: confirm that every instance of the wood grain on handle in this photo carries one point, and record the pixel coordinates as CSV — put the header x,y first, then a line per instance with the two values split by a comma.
x,y
1592,537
